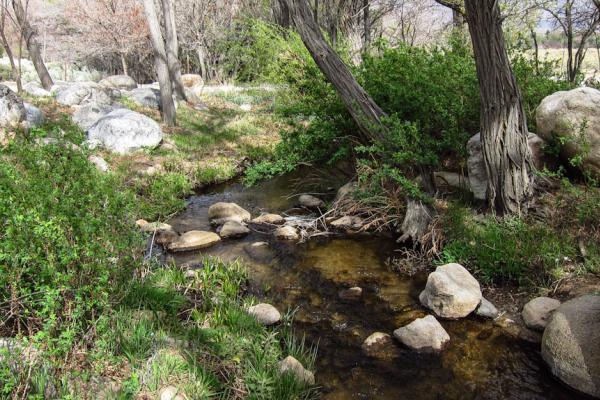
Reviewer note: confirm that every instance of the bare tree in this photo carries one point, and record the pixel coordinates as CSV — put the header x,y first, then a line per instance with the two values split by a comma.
x,y
503,123
172,48
162,69
578,19
30,36
16,72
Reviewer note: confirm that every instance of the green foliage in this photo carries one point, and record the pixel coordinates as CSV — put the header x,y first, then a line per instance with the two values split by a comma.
x,y
67,235
536,83
162,195
512,249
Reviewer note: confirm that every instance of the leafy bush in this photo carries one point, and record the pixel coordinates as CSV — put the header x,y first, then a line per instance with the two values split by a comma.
x,y
162,195
504,250
67,235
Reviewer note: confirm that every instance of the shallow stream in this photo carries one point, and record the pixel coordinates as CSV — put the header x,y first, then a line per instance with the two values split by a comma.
x,y
480,362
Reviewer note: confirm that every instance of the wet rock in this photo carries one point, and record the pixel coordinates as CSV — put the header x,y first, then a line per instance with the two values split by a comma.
x,y
287,233
12,109
165,237
309,201
259,251
292,366
381,346
571,344
424,335
123,131
270,219
348,223
121,82
221,213
572,118
100,163
233,230
487,309
353,293
511,328
346,193
537,312
451,292
34,116
194,240
266,314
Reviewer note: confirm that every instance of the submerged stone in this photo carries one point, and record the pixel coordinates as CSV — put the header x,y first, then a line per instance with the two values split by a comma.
x,y
425,335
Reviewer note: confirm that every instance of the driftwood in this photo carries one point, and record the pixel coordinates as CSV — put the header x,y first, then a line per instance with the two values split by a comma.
x,y
416,221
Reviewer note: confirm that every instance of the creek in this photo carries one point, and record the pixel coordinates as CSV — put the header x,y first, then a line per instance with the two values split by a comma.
x,y
481,362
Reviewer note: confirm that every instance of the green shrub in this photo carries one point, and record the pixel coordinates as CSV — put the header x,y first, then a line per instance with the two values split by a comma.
x,y
67,235
504,250
162,195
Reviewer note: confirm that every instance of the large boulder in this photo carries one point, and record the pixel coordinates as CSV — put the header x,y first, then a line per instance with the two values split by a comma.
x,y
87,115
80,93
12,109
220,213
451,292
123,131
34,116
120,82
476,164
145,97
572,118
425,335
538,311
571,344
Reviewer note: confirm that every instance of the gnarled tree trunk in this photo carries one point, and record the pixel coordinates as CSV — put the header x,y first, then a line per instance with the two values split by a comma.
x,y
503,123
16,73
361,106
162,70
30,35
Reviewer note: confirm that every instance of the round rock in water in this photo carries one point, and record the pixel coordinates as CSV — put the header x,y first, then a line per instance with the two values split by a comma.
x,y
124,131
292,366
221,213
451,292
266,314
194,240
538,311
424,335
571,344
233,230
287,233
269,219
310,201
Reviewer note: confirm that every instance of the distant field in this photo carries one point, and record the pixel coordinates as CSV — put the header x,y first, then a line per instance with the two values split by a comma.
x,y
591,64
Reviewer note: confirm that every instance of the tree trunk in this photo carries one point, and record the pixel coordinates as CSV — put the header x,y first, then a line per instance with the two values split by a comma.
x,y
366,26
503,123
124,64
162,70
172,47
365,112
11,58
281,14
30,35
536,49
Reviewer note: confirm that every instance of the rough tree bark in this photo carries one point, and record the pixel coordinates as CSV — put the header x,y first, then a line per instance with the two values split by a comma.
x,y
503,123
169,115
172,48
361,106
31,41
363,109
366,25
